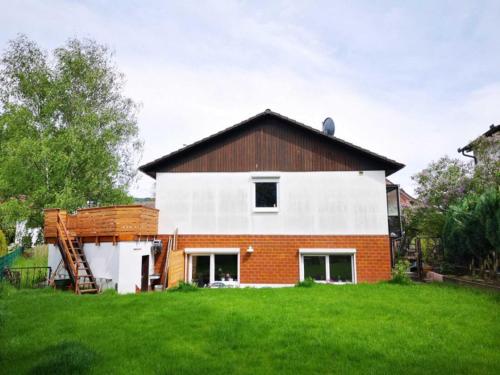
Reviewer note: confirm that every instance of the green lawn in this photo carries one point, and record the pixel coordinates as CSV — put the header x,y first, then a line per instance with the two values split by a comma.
x,y
366,329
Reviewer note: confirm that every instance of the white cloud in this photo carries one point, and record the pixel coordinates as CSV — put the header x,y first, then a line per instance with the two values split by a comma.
x,y
398,79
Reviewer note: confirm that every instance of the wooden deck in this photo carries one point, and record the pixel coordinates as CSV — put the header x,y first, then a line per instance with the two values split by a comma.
x,y
104,224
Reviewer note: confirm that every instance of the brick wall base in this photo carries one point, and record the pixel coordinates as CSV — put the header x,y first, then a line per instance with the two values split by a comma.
x,y
275,259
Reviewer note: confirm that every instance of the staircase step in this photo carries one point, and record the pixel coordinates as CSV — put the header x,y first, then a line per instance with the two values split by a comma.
x,y
77,264
88,291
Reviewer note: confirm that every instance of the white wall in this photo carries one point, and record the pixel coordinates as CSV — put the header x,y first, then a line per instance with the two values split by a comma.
x,y
103,261
112,264
335,203
54,257
130,264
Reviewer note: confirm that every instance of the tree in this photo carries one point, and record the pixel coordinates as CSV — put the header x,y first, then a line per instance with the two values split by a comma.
x,y
471,234
68,135
486,173
438,186
443,182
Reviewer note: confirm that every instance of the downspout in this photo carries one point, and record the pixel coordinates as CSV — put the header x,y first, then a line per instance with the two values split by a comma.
x,y
463,150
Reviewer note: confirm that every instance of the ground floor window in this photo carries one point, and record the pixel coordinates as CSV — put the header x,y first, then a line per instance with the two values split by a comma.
x,y
314,267
226,267
213,267
323,265
341,268
200,269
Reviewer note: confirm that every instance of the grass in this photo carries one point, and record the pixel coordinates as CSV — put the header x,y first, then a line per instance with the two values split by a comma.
x,y
35,257
365,329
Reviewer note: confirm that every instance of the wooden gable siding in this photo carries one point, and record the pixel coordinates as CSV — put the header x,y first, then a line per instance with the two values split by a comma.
x,y
270,145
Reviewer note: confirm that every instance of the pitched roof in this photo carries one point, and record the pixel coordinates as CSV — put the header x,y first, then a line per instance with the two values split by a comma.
x,y
491,131
151,167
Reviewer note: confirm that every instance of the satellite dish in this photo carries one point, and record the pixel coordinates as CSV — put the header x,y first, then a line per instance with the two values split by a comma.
x,y
328,127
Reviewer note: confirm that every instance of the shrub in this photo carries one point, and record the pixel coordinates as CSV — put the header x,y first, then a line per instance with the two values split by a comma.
x,y
471,234
184,287
3,244
27,242
307,283
399,275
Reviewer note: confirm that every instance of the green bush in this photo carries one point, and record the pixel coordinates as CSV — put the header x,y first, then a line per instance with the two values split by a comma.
x,y
3,244
184,287
26,242
307,283
471,234
399,273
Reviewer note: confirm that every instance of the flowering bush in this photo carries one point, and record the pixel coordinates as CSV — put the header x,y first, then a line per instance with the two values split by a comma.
x,y
399,273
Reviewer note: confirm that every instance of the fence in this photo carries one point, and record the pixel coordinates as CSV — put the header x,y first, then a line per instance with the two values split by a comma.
x,y
7,260
28,277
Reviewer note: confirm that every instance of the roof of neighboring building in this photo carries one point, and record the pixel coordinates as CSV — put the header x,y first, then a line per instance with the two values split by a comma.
x,y
490,132
389,165
404,196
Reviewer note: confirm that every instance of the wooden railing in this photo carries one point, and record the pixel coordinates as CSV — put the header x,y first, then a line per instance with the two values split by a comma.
x,y
74,259
65,242
104,224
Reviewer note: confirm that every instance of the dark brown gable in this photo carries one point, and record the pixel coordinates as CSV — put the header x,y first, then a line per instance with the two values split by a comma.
x,y
270,143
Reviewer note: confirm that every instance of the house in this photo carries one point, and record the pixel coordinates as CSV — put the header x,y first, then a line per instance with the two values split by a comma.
x,y
493,146
266,202
270,201
406,200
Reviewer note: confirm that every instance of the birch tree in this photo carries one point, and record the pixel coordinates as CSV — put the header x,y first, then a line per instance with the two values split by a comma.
x,y
68,134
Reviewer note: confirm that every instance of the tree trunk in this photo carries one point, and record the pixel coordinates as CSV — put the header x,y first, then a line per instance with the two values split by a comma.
x,y
493,266
481,268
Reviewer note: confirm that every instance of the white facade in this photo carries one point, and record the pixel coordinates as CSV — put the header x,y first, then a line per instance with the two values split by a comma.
x,y
310,203
114,266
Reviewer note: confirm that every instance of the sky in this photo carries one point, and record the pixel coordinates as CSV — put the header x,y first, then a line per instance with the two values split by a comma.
x,y
411,80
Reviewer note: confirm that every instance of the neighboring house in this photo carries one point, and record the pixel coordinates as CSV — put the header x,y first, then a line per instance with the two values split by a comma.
x,y
405,199
270,202
266,202
493,134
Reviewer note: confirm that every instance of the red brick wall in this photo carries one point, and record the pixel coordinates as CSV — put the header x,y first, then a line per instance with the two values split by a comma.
x,y
275,259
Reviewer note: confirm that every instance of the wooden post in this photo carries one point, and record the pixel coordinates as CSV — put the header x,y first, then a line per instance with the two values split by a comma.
x,y
420,270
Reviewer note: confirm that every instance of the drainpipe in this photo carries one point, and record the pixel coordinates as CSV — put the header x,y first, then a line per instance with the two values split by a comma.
x,y
463,150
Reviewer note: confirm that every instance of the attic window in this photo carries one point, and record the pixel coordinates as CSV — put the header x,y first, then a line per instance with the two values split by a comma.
x,y
266,195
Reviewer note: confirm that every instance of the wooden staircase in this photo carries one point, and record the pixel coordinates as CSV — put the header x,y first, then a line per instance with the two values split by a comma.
x,y
75,260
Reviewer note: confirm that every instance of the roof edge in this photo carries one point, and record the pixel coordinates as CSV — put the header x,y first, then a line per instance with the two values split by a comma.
x,y
146,168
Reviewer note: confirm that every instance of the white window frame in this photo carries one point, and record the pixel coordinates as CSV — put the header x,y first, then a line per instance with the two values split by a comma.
x,y
326,253
274,179
211,252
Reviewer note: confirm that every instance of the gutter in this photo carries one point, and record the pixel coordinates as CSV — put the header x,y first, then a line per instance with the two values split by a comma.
x,y
463,151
